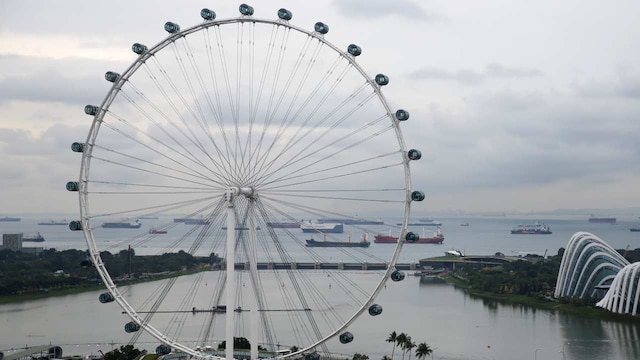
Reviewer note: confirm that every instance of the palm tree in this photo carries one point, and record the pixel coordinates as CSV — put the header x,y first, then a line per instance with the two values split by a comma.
x,y
393,339
409,345
400,340
423,350
386,358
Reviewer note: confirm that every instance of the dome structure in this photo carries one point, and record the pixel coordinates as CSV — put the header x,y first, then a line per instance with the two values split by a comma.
x,y
624,292
588,264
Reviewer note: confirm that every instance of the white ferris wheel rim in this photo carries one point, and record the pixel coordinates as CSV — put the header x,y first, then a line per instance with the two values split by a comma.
x,y
93,133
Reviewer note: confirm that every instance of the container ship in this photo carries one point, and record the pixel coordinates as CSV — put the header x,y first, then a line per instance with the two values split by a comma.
x,y
602,220
122,225
327,228
195,221
6,218
157,231
363,243
430,222
636,229
436,238
53,222
537,229
283,225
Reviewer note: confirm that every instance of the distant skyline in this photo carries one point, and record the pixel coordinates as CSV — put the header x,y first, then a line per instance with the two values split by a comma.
x,y
516,106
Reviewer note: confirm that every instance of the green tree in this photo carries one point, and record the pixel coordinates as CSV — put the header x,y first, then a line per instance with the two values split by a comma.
x,y
125,352
392,339
423,350
408,347
358,356
400,340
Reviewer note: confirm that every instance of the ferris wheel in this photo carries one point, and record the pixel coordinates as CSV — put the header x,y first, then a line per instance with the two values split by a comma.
x,y
262,143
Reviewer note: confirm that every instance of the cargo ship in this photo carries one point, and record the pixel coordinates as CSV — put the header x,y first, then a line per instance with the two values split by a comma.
x,y
350,221
6,218
363,243
33,238
536,229
327,228
195,221
121,225
224,227
53,222
436,238
635,229
283,225
602,220
430,222
157,232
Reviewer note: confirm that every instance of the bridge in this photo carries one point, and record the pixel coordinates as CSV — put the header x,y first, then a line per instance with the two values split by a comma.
x,y
375,266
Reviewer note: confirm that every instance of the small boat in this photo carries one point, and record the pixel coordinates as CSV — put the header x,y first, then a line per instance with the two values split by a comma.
x,y
121,225
464,224
635,229
6,218
364,242
53,222
196,221
33,238
156,231
327,228
536,229
149,217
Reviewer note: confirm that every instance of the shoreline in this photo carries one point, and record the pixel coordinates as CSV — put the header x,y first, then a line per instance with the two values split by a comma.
x,y
584,311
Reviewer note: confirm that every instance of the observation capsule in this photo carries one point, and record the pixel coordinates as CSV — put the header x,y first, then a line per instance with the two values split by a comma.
x,y
346,337
375,310
414,154
382,79
139,48
73,186
321,28
163,349
77,147
417,195
402,115
91,110
397,275
411,237
106,297
75,225
111,76
354,50
131,327
312,356
246,10
285,14
208,14
171,28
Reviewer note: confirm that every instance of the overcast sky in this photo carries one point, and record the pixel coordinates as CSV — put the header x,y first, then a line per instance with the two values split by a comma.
x,y
516,105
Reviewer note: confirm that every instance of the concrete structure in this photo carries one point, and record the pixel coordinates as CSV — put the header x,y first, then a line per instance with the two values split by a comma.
x,y
588,265
12,242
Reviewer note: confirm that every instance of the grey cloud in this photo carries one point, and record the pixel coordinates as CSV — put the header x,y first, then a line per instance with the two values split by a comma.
x,y
383,8
625,85
474,77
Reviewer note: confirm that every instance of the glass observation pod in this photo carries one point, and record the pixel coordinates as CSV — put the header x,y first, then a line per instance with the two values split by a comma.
x,y
414,154
401,115
171,28
91,110
246,10
163,349
139,48
321,28
285,14
411,237
354,50
75,225
131,327
106,297
77,147
111,76
208,14
382,79
397,275
375,310
73,186
417,196
346,337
